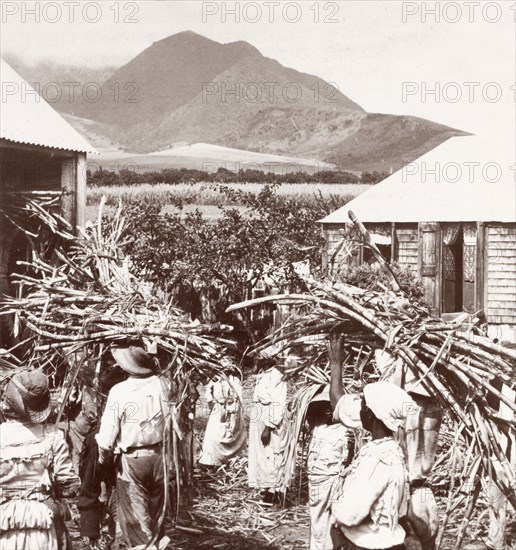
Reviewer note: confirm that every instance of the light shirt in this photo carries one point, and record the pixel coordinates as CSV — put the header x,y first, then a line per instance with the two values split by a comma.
x,y
374,496
35,465
271,392
328,450
134,415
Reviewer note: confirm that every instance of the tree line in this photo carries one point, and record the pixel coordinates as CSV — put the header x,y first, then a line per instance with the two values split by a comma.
x,y
124,176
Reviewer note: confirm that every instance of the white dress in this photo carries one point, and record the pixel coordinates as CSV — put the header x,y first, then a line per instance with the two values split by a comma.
x,y
225,434
327,453
34,461
269,404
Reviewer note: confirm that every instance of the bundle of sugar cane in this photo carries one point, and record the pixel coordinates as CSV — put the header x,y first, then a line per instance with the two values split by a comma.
x,y
310,378
88,297
29,211
464,371
294,423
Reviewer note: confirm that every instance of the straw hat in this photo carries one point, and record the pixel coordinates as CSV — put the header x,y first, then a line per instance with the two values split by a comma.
x,y
134,360
27,396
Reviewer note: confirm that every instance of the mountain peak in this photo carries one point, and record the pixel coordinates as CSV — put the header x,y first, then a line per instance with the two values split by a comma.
x,y
243,48
185,37
189,88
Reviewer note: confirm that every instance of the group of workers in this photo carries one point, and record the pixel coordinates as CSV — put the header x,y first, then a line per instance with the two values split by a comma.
x,y
118,471
371,495
378,499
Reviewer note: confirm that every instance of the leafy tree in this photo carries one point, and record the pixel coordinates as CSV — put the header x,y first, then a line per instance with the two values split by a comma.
x,y
209,265
371,276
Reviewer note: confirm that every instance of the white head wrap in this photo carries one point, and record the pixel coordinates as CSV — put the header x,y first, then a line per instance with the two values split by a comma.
x,y
347,411
389,403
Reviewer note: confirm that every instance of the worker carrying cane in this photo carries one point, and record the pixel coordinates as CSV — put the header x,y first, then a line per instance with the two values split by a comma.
x,y
132,429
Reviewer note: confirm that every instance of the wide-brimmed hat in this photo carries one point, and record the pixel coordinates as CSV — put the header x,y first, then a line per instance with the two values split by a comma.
x,y
27,396
134,360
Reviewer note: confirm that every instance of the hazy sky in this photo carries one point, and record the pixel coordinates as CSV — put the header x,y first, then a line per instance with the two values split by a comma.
x,y
371,50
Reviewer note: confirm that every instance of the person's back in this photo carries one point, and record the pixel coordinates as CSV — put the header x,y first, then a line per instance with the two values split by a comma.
x,y
266,431
133,427
225,434
329,452
29,455
374,496
135,410
35,469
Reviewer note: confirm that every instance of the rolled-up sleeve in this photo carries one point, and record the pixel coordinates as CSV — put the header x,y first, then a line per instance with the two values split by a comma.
x,y
362,488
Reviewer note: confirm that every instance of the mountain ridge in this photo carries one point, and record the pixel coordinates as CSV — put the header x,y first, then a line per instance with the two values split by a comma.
x,y
189,88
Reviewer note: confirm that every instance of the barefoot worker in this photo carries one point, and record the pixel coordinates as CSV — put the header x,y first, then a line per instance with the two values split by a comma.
x,y
265,430
133,428
374,495
35,469
225,433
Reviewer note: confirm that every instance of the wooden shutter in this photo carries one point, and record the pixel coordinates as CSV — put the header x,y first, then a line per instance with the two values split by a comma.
x,y
429,246
429,262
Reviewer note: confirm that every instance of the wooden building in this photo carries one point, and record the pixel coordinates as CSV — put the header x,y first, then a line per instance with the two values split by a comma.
x,y
40,154
451,218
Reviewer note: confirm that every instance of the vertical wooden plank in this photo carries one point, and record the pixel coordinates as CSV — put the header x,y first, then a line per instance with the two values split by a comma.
x,y
5,246
481,266
80,198
68,186
429,262
439,273
394,243
325,254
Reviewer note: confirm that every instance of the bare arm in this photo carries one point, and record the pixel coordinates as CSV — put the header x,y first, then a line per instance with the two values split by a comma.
x,y
335,355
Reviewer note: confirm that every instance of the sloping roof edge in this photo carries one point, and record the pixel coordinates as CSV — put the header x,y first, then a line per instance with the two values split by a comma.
x,y
416,194
26,118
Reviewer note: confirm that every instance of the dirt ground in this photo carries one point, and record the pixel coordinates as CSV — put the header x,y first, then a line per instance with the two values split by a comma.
x,y
227,515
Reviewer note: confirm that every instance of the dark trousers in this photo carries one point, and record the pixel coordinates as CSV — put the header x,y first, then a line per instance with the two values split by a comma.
x,y
141,495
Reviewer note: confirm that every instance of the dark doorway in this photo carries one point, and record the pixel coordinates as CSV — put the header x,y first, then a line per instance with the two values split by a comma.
x,y
453,272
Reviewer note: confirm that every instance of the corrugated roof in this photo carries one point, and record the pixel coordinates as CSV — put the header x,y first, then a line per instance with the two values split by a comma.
x,y
27,118
469,178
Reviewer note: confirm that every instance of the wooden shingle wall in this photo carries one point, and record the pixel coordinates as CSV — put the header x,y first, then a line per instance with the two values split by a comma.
x,y
333,236
407,249
500,274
